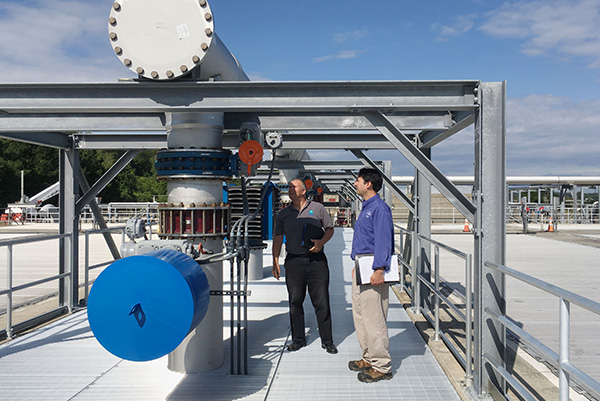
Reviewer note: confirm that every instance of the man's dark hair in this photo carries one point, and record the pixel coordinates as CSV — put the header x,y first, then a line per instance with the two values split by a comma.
x,y
372,176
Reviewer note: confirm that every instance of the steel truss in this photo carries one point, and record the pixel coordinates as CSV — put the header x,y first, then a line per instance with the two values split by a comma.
x,y
409,116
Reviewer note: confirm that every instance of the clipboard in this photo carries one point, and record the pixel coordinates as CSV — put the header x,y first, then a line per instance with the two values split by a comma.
x,y
311,232
365,270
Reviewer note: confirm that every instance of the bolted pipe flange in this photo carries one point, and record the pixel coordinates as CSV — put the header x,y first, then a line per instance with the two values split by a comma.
x,y
172,36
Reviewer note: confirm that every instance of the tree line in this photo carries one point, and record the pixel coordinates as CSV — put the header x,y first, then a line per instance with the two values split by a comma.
x,y
136,183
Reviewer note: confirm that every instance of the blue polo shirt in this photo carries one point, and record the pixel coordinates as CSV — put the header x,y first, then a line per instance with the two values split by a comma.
x,y
374,232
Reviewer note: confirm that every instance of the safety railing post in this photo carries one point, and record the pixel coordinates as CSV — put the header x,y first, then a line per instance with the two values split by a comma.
x,y
468,320
416,270
87,266
564,334
9,309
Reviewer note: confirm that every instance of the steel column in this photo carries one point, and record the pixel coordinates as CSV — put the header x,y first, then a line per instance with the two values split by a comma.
x,y
490,234
69,224
423,227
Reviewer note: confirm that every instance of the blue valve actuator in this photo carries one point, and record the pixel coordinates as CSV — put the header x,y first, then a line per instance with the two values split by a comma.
x,y
142,307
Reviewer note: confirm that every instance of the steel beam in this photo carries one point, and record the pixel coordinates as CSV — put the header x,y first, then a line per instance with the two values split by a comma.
x,y
74,122
422,163
431,138
391,185
49,139
274,97
106,178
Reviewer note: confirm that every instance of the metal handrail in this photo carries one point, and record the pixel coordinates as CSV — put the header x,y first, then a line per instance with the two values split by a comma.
x,y
10,289
467,317
9,273
565,368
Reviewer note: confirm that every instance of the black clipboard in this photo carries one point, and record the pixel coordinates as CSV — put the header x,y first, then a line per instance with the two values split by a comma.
x,y
309,233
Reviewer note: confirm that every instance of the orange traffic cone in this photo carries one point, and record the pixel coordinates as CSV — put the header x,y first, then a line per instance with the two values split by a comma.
x,y
466,228
551,226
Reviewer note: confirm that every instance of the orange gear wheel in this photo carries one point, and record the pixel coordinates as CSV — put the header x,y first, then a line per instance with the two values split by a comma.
x,y
250,153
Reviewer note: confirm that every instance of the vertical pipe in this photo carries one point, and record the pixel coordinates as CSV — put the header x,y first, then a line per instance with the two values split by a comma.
x,y
23,189
231,316
9,309
564,334
415,263
202,349
575,201
87,265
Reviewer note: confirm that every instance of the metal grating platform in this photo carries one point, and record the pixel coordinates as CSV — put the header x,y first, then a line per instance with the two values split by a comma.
x,y
63,361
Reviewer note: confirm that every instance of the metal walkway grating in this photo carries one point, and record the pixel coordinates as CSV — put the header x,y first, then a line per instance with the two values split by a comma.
x,y
63,361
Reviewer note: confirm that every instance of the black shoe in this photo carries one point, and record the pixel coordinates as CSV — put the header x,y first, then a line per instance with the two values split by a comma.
x,y
331,349
296,346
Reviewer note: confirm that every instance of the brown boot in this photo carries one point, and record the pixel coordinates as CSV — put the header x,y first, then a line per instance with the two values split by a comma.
x,y
373,375
359,366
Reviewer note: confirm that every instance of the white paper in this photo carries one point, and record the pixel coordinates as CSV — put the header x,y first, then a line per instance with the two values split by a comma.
x,y
365,264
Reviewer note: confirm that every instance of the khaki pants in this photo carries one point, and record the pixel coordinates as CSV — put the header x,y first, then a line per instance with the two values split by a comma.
x,y
369,310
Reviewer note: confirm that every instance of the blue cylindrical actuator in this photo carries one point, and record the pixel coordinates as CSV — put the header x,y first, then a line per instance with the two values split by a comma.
x,y
142,307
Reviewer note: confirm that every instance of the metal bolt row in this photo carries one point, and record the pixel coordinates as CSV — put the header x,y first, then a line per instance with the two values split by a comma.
x,y
155,74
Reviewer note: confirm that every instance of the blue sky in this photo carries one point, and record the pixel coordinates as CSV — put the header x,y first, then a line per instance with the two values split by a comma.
x,y
548,51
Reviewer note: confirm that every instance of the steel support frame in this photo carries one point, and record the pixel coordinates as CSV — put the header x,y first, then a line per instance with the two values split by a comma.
x,y
399,112
490,236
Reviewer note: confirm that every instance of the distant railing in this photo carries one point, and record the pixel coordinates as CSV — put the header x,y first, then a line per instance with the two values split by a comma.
x,y
65,306
113,212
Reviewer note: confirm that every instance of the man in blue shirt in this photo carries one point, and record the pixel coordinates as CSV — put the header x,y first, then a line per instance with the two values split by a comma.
x,y
374,235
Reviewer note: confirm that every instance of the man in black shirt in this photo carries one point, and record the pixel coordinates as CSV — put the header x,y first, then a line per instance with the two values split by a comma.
x,y
305,263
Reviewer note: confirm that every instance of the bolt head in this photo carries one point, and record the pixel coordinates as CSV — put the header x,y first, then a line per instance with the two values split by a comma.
x,y
196,59
202,3
112,21
204,46
116,6
208,16
127,62
112,36
170,74
154,74
139,70
183,68
208,31
118,50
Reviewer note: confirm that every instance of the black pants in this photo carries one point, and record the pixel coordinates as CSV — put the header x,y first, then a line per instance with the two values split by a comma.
x,y
312,271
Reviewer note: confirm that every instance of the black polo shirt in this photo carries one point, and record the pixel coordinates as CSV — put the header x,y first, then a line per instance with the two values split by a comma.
x,y
290,222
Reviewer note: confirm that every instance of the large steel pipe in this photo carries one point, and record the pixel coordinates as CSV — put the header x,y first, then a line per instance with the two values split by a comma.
x,y
168,39
142,307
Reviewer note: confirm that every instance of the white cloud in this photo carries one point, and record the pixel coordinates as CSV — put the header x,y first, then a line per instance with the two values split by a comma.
x,y
553,135
56,41
567,28
459,25
346,36
341,55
